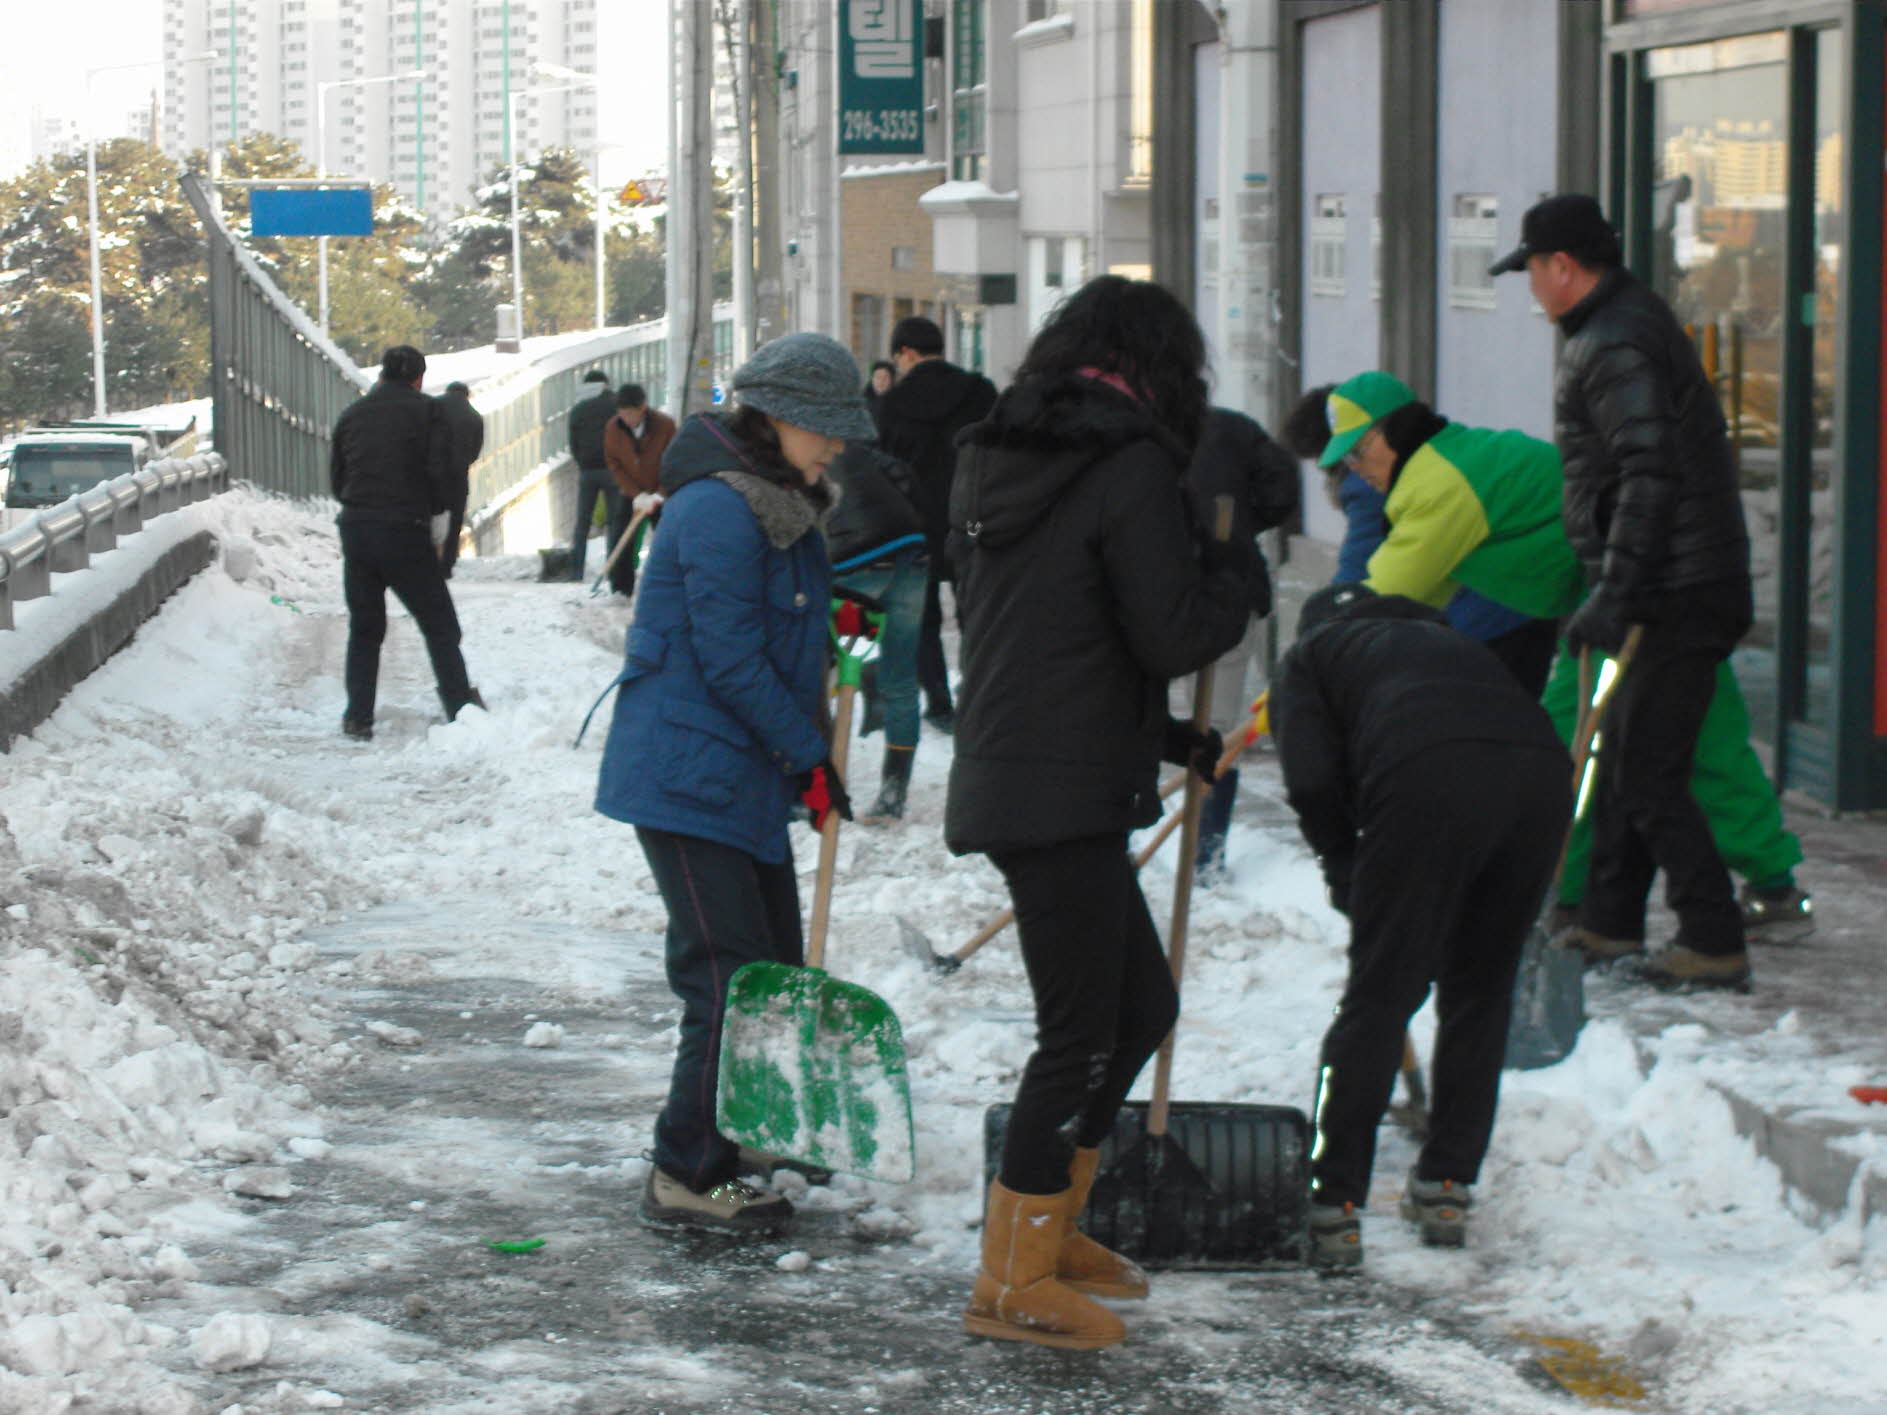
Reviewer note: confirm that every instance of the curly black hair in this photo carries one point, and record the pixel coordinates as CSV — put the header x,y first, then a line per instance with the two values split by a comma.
x,y
1138,330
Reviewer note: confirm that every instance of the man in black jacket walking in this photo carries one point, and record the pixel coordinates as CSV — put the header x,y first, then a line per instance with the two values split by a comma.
x,y
589,421
466,427
390,468
1435,794
918,422
1653,510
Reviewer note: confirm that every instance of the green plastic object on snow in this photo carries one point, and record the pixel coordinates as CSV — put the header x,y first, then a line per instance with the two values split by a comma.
x,y
812,1067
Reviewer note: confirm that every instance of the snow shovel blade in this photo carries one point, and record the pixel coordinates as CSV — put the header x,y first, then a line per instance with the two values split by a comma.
x,y
1227,1187
812,1069
1549,1004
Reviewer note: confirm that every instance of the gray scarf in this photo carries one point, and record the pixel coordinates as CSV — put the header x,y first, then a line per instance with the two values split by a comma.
x,y
784,514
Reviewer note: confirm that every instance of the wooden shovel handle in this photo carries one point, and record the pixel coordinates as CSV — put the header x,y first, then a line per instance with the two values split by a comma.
x,y
1586,730
1188,858
622,542
829,834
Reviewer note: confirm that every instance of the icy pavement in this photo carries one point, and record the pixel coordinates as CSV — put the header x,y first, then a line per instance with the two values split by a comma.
x,y
291,1027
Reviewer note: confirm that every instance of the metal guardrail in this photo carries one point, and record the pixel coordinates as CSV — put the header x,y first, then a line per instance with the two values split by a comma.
x,y
65,537
278,383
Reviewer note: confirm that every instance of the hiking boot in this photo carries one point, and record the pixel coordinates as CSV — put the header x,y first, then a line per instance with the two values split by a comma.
x,y
1785,915
1597,948
1336,1238
1439,1208
354,727
1681,968
731,1206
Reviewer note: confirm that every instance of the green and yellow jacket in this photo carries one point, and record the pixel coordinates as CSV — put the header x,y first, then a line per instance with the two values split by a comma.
x,y
1479,507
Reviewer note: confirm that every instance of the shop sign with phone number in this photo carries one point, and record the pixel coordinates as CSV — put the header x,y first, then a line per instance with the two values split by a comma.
x,y
881,77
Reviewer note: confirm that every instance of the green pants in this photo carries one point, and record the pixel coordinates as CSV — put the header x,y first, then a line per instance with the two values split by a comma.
x,y
1726,778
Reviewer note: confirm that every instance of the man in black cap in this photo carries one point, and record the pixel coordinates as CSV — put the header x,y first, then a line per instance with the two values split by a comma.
x,y
1435,794
1652,509
390,468
589,420
919,418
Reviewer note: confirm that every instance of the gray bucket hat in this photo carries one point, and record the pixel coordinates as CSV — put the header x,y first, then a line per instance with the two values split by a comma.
x,y
808,380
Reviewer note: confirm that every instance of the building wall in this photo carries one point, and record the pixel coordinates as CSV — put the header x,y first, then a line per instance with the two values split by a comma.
x,y
879,217
1342,157
1494,366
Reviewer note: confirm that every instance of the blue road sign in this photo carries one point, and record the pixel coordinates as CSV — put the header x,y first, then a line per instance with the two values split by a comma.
x,y
311,211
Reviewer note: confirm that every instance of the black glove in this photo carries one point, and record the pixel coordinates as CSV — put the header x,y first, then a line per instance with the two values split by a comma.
x,y
1599,622
821,791
1187,746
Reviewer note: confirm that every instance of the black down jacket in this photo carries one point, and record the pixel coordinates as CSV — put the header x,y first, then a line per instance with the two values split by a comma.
x,y
1237,458
1381,682
1651,501
1083,589
918,422
391,456
877,511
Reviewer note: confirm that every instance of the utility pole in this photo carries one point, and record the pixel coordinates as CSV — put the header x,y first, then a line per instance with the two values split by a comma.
x,y
732,19
764,69
690,230
1248,334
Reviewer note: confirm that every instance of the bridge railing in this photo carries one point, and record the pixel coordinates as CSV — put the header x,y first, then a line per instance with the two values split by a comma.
x,y
63,538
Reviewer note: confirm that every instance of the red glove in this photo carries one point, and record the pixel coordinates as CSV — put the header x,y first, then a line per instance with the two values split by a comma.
x,y
849,621
822,792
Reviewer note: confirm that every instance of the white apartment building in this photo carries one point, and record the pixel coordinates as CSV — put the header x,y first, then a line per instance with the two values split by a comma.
x,y
435,138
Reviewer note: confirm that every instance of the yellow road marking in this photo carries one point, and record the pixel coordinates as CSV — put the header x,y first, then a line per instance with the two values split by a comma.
x,y
1585,1371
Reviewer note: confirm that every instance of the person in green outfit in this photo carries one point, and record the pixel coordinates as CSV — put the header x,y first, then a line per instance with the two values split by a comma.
x,y
1479,508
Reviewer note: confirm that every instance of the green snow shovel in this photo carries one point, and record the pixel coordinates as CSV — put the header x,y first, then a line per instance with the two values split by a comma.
x,y
812,1068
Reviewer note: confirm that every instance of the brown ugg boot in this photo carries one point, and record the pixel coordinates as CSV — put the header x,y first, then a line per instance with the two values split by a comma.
x,y
1085,1265
1017,1297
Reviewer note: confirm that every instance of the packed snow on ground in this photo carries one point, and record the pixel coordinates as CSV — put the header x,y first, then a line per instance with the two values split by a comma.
x,y
171,837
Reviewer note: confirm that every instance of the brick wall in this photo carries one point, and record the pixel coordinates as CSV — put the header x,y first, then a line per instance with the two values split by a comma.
x,y
878,215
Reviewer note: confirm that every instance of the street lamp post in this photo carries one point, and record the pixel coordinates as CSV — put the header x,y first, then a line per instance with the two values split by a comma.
x,y
91,210
321,165
517,239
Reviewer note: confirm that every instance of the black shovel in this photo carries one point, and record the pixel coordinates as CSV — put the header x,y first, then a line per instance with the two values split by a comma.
x,y
1549,1007
1194,1185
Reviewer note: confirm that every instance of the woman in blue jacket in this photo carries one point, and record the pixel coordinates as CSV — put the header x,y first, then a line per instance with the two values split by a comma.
x,y
719,726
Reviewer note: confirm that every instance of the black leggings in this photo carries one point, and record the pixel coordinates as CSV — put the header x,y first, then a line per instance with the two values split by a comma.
x,y
1104,1001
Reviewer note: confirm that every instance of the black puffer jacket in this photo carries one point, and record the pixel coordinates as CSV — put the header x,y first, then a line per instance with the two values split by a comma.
x,y
1237,458
391,456
1651,501
588,420
877,510
919,418
1380,682
1083,591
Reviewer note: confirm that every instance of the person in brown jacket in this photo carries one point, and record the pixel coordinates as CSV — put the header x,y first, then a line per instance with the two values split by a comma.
x,y
633,443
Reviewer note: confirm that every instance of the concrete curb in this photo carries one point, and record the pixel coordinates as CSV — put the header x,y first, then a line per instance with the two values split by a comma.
x,y
36,693
1805,1146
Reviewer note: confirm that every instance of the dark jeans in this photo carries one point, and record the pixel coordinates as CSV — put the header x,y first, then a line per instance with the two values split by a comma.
x,y
1456,850
899,587
725,909
1528,653
933,673
1104,1001
593,482
1644,817
377,556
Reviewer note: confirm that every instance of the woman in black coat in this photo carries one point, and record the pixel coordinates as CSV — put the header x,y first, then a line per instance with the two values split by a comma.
x,y
1084,586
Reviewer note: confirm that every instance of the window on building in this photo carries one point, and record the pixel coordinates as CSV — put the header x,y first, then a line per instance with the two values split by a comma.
x,y
868,325
1329,242
1033,10
904,257
969,96
1140,96
1473,245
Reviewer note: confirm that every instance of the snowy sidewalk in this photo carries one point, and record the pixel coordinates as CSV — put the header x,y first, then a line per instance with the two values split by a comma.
x,y
225,920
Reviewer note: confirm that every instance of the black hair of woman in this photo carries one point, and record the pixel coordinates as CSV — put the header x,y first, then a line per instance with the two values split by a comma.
x,y
753,431
1306,428
1137,330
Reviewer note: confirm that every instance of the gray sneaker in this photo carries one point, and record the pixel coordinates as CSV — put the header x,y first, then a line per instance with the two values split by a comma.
x,y
1777,916
1439,1208
1336,1238
732,1205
